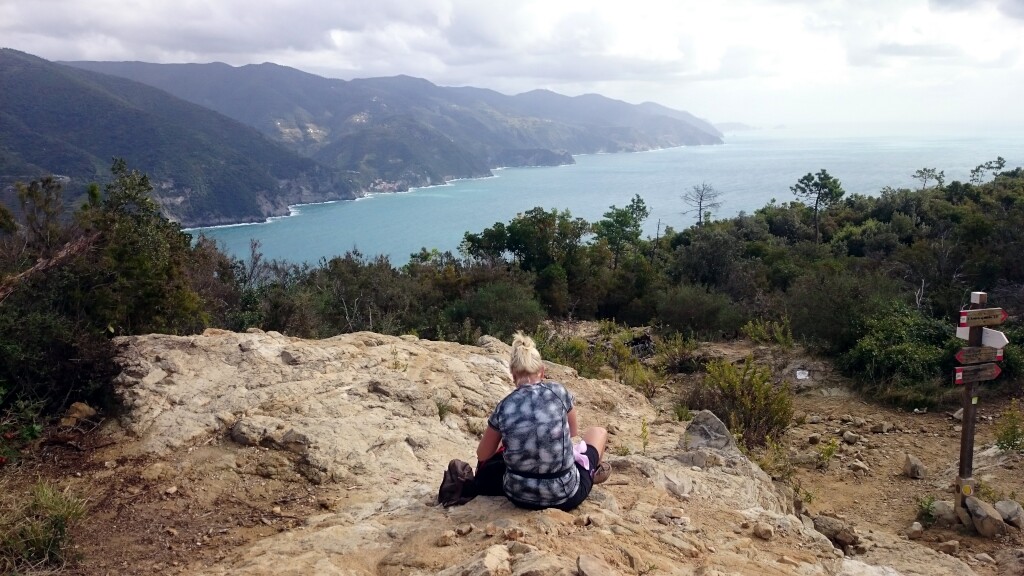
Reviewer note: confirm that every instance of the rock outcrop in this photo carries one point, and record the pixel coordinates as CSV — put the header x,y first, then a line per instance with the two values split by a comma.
x,y
377,419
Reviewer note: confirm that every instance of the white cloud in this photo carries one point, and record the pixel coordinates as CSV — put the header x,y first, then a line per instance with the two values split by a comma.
x,y
767,61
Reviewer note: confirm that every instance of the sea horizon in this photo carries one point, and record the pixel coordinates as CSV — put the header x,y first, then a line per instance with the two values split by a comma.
x,y
751,169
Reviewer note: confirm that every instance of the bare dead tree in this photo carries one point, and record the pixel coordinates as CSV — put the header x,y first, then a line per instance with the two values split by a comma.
x,y
702,200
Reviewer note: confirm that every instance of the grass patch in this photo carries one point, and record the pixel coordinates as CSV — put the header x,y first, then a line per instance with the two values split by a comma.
x,y
34,530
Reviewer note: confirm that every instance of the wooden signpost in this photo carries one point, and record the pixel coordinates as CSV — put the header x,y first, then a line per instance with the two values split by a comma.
x,y
982,317
970,355
976,373
984,347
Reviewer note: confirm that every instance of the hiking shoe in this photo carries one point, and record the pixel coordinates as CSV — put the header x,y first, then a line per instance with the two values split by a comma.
x,y
602,472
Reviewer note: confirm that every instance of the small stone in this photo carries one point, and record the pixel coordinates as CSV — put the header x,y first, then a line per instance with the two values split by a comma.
x,y
814,439
882,428
171,531
859,422
588,565
944,514
846,418
984,558
514,533
950,547
851,437
913,468
814,419
915,531
858,466
959,415
446,539
764,531
171,490
517,548
276,510
679,544
789,561
464,529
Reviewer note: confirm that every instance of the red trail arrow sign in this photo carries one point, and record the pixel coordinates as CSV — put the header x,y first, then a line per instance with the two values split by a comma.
x,y
979,354
976,373
982,317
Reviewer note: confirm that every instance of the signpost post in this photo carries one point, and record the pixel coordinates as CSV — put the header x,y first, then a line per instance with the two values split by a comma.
x,y
984,346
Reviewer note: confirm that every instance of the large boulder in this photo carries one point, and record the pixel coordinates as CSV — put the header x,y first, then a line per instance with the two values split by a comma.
x,y
987,520
1011,512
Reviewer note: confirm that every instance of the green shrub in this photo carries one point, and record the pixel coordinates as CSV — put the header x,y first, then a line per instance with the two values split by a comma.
x,y
35,532
675,354
774,459
828,306
639,377
926,510
825,453
682,412
698,311
499,309
745,398
902,356
645,435
762,331
572,351
1010,429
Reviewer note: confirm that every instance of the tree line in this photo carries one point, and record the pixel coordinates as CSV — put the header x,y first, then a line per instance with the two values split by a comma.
x,y
873,281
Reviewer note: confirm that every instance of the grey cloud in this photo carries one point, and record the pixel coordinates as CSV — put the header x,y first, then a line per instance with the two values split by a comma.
x,y
954,4
1012,8
225,27
919,50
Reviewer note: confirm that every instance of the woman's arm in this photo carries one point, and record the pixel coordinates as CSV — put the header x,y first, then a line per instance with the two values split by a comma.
x,y
488,444
572,421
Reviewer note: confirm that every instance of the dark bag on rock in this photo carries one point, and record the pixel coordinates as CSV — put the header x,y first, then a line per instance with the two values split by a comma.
x,y
458,486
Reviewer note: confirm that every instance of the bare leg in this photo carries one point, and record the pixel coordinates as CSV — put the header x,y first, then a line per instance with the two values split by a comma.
x,y
598,438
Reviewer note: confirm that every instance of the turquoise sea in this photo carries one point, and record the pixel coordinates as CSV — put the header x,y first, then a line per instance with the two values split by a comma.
x,y
751,169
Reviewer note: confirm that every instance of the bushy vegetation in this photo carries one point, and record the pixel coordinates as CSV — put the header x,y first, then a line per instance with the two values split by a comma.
x,y
746,399
902,356
872,281
763,331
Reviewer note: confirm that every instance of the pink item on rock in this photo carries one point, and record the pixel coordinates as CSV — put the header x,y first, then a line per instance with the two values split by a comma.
x,y
579,452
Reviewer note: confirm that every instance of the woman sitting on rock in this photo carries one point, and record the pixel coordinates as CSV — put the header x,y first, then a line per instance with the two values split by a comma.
x,y
527,451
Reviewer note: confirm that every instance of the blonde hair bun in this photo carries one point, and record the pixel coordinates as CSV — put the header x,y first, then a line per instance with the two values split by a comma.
x,y
526,358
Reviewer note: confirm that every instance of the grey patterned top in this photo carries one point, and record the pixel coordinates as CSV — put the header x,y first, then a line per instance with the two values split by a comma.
x,y
534,427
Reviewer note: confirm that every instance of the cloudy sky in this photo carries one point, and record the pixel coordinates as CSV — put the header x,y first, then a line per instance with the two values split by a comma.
x,y
762,62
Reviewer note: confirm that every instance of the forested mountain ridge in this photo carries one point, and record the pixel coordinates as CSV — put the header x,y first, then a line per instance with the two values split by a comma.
x,y
321,117
206,168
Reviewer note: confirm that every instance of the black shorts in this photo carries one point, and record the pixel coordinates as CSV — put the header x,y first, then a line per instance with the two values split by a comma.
x,y
586,484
